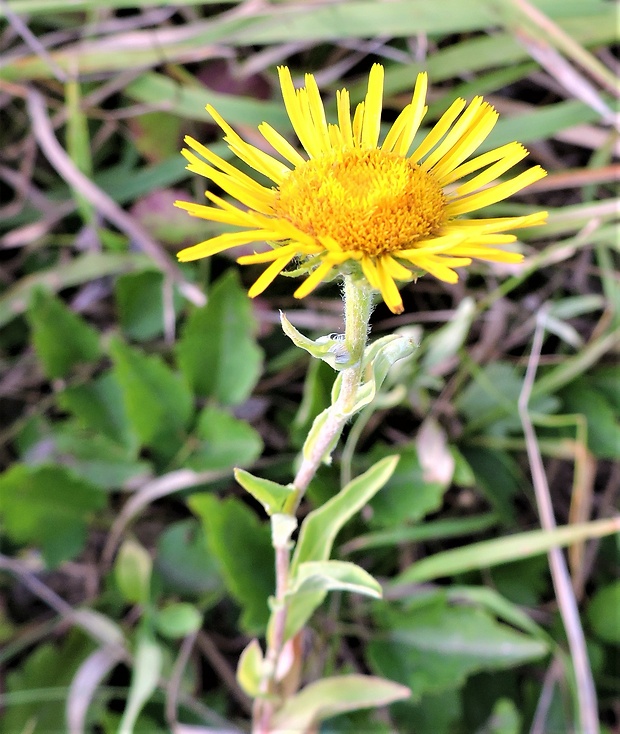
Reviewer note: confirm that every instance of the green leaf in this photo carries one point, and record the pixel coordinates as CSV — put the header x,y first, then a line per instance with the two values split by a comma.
x,y
406,495
225,441
250,669
158,402
330,348
146,669
178,620
320,527
94,457
434,646
132,572
98,406
378,359
61,338
140,304
242,546
490,400
271,495
604,614
217,350
603,422
48,506
185,564
319,530
36,689
505,719
330,696
489,553
326,576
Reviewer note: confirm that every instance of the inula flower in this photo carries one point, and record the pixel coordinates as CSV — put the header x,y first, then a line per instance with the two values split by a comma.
x,y
353,205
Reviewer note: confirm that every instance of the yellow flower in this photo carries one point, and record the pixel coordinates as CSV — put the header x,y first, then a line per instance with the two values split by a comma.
x,y
352,204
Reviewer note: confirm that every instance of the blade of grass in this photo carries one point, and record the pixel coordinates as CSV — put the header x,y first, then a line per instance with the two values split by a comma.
x,y
489,553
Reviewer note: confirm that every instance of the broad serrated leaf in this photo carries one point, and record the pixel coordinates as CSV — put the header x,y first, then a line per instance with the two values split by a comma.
x,y
331,696
242,546
406,496
140,303
185,564
271,495
99,407
434,646
224,441
158,402
48,506
217,350
61,338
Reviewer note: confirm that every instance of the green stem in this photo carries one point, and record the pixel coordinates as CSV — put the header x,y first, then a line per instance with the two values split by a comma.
x,y
357,308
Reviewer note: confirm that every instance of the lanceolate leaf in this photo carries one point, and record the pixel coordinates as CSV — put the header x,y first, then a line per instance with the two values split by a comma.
x,y
334,576
319,529
271,495
503,550
331,696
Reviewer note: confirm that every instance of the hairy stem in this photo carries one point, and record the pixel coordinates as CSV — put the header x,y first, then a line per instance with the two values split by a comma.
x,y
357,307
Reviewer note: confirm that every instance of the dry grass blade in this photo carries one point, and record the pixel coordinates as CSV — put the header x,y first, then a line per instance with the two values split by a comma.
x,y
585,690
58,157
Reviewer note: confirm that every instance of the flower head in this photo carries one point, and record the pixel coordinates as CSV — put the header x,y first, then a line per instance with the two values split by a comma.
x,y
351,204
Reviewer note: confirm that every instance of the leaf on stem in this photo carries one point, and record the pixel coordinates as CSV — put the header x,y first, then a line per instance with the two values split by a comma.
x,y
334,576
331,696
271,495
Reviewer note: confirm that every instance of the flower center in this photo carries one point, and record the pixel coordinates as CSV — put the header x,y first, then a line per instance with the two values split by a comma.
x,y
369,201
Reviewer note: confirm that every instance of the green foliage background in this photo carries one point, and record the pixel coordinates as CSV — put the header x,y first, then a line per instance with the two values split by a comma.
x,y
133,570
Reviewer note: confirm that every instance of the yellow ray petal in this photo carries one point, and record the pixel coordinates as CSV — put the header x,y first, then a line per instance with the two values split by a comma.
x,y
257,159
298,114
372,108
281,144
370,271
265,257
465,122
469,143
513,151
388,288
395,269
358,122
418,110
222,242
317,113
269,275
344,117
439,130
491,174
495,193
313,280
